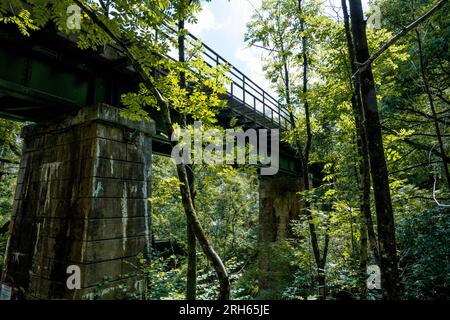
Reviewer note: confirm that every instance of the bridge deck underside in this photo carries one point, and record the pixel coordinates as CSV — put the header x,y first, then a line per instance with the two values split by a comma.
x,y
46,76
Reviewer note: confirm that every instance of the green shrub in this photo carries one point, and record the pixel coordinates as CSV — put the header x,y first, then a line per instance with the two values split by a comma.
x,y
424,243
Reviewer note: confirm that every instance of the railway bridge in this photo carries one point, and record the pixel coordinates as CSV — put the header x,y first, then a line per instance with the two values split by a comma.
x,y
84,178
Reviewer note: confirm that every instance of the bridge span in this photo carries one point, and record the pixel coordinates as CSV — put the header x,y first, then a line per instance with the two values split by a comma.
x,y
84,179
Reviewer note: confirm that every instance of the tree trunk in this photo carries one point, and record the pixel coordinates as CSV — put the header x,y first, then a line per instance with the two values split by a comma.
x,y
321,283
304,155
191,279
427,90
364,166
209,251
191,276
188,206
192,220
385,217
363,259
304,162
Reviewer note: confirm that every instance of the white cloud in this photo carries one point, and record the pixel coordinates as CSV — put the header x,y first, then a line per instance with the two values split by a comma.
x,y
252,59
206,21
223,23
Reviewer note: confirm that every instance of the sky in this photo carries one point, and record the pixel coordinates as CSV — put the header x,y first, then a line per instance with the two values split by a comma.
x,y
222,24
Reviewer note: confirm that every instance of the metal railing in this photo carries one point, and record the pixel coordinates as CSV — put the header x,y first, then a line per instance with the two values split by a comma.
x,y
245,92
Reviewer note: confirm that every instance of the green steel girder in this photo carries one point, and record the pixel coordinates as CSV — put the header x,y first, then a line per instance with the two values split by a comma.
x,y
45,76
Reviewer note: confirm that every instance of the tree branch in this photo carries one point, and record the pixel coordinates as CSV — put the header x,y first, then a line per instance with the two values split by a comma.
x,y
265,48
10,161
416,144
188,205
15,150
363,66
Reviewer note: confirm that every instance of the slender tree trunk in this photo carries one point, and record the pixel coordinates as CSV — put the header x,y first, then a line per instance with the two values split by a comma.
x,y
188,206
321,282
304,154
304,158
364,166
363,259
191,276
385,218
426,85
321,279
286,84
194,228
209,251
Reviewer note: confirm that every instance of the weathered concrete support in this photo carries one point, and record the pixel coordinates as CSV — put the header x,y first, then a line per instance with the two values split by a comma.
x,y
81,199
279,204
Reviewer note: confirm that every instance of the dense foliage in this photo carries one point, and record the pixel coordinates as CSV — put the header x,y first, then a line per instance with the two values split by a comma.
x,y
10,150
413,95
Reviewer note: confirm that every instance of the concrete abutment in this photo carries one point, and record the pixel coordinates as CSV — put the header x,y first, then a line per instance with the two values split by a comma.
x,y
279,205
81,199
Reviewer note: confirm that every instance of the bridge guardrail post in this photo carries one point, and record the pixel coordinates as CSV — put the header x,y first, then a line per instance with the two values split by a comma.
x,y
254,111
